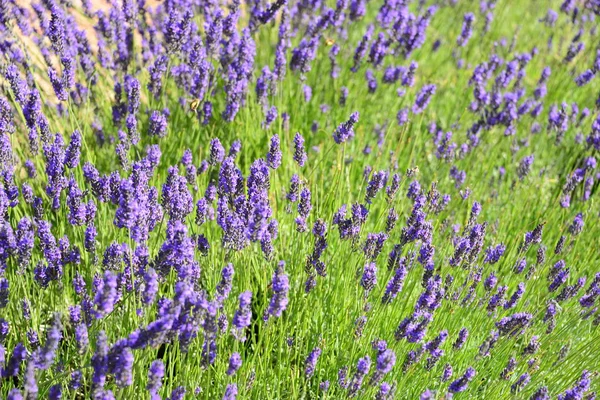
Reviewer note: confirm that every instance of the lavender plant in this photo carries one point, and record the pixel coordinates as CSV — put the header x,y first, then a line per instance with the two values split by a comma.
x,y
292,199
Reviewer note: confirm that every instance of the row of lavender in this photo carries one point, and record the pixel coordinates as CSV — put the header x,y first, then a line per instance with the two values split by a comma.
x,y
139,252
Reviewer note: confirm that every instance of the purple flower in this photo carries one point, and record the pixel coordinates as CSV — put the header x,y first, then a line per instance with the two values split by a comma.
x,y
279,69
408,79
270,117
371,81
463,334
577,225
299,151
423,98
493,253
311,362
533,346
263,85
385,362
426,253
157,124
342,375
177,252
447,374
177,394
150,286
432,295
44,357
374,245
274,154
230,392
13,364
402,116
132,90
361,49
310,283
520,265
243,315
369,277
207,110
30,384
217,152
176,198
90,239
392,189
520,383
155,374
395,284
303,54
235,148
513,324
414,328
560,278
304,208
281,286
18,86
307,90
490,282
202,208
343,96
362,369
214,32
224,286
391,220
497,299
585,77
113,256
467,29
106,295
461,384
378,49
541,394
508,370
577,391
157,70
230,180
73,150
292,194
345,131
593,292
515,297
235,362
550,311
4,329
24,241
29,166
574,49
525,167
82,338
433,347
121,366
14,394
377,182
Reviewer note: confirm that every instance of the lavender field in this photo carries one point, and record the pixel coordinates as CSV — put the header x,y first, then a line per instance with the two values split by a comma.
x,y
299,199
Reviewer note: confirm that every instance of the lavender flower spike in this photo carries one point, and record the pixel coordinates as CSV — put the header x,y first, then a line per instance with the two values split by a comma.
x,y
345,131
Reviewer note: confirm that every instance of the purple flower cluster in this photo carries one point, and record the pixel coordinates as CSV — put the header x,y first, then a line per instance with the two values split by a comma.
x,y
345,131
126,199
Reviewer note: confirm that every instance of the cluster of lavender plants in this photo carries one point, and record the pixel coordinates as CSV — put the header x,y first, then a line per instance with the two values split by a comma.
x,y
299,199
